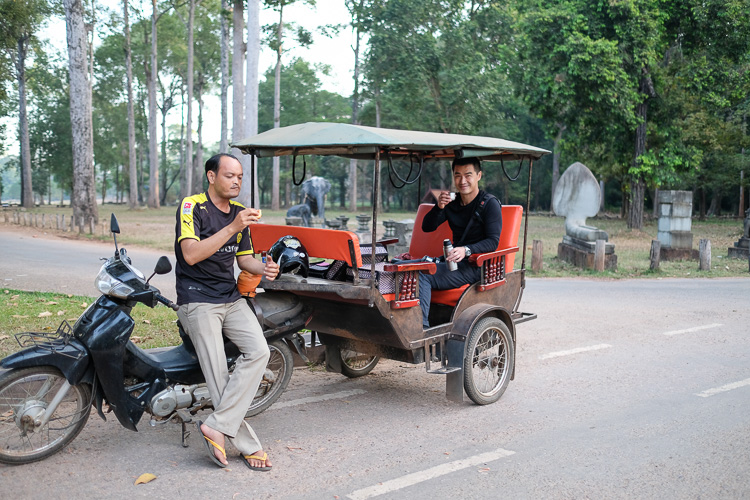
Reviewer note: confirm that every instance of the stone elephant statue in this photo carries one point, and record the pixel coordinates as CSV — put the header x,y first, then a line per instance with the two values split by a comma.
x,y
302,211
314,192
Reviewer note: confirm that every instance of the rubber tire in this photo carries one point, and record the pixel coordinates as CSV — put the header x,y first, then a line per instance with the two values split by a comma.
x,y
356,371
281,359
82,401
488,330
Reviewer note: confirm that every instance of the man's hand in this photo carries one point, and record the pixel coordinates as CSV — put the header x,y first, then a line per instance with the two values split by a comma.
x,y
456,255
271,269
443,199
245,218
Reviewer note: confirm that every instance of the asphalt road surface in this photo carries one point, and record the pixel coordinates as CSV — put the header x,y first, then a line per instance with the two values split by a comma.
x,y
623,389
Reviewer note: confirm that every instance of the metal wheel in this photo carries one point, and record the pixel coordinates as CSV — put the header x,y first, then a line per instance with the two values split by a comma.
x,y
25,395
275,379
356,364
488,362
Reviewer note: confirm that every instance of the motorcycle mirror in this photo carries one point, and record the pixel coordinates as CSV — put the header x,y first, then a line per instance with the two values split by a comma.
x,y
163,266
114,227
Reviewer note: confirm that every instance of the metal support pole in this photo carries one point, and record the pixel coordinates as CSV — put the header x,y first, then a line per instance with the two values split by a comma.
x,y
375,199
526,218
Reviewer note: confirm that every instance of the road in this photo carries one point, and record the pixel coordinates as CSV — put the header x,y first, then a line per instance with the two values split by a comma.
x,y
623,389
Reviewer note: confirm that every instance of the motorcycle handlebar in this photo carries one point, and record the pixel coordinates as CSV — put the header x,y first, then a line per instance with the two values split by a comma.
x,y
161,298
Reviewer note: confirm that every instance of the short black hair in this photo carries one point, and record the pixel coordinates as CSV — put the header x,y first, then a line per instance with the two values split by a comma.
x,y
458,162
212,164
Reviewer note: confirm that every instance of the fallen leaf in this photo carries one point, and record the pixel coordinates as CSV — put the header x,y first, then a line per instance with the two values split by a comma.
x,y
60,313
19,316
145,478
13,297
70,295
51,303
6,291
84,305
3,337
485,469
44,314
147,321
135,339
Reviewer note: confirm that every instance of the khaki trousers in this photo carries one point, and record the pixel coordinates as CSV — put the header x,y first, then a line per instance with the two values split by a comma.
x,y
231,396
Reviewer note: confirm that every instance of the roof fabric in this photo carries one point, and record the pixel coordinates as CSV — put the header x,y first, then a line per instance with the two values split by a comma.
x,y
357,141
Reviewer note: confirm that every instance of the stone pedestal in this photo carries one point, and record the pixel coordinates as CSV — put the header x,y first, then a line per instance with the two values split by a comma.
x,y
364,222
741,248
674,227
344,220
403,230
580,253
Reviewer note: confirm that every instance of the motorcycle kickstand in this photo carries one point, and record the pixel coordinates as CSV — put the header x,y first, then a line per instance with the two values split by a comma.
x,y
185,435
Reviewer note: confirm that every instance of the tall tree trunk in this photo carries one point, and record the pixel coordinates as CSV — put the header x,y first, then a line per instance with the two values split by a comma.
x,y
153,161
251,101
238,93
557,150
355,118
198,172
83,198
163,191
637,183
224,142
277,108
27,193
133,191
187,188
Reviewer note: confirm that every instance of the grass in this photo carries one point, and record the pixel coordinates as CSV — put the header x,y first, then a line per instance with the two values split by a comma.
x,y
43,312
155,229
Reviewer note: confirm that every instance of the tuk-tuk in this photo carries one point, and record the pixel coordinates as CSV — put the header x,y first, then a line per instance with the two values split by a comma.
x,y
365,306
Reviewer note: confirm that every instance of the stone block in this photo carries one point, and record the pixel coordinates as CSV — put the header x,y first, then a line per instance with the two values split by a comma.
x,y
674,224
674,196
583,259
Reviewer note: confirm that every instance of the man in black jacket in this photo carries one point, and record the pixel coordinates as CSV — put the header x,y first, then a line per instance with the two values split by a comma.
x,y
475,218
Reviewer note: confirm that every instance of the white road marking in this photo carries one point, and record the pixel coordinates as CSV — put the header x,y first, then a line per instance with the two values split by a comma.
x,y
574,351
724,388
694,329
316,399
425,475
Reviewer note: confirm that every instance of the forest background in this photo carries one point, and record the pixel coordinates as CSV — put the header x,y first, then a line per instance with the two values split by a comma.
x,y
649,94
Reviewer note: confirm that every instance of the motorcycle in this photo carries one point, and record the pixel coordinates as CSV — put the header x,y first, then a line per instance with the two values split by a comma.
x,y
49,387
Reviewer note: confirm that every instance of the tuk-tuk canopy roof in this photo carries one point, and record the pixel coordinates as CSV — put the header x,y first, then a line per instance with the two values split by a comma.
x,y
357,141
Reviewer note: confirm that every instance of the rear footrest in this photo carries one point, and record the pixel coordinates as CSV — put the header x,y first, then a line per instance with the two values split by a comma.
x,y
445,370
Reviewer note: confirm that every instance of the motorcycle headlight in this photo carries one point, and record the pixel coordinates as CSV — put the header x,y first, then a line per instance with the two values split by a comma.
x,y
109,285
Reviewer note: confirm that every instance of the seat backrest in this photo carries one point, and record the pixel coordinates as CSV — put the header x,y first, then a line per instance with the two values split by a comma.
x,y
320,243
431,244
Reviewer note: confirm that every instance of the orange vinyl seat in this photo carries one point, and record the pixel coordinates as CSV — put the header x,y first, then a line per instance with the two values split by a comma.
x,y
431,244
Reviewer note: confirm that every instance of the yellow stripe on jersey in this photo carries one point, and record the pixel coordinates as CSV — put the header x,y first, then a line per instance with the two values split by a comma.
x,y
187,227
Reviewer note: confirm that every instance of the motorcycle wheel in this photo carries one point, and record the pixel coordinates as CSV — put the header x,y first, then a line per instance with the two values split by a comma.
x,y
275,379
356,364
25,395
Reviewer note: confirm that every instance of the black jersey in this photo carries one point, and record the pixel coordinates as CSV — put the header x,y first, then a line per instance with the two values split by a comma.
x,y
212,280
484,232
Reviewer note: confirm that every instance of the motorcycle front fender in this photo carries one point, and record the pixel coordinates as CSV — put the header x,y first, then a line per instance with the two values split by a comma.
x,y
72,359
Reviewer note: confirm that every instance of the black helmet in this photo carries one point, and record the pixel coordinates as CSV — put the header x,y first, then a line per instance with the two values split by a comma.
x,y
291,256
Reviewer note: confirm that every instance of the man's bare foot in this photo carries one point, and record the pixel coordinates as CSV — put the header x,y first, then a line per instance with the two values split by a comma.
x,y
218,438
258,461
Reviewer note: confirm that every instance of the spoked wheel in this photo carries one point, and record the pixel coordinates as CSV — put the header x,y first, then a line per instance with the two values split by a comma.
x,y
25,395
356,364
488,362
275,379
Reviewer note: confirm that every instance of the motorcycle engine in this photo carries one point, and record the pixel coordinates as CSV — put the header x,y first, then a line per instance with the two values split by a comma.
x,y
171,399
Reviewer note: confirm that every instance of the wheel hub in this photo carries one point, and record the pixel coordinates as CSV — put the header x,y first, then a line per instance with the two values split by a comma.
x,y
29,417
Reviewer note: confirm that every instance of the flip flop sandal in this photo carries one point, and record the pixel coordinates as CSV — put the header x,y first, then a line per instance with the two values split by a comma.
x,y
264,468
210,445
